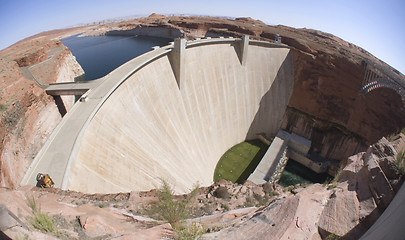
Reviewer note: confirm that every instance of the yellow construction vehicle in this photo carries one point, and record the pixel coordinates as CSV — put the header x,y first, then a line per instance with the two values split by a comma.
x,y
44,181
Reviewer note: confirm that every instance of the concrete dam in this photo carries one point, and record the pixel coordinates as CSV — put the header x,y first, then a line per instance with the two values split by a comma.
x,y
168,114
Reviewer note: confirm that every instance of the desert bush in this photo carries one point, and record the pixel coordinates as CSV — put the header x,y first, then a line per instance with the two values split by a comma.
x,y
268,187
332,236
39,220
333,184
175,211
225,207
400,162
222,192
169,209
189,232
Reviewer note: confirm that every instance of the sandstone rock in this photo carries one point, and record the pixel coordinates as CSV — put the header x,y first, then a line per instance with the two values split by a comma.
x,y
383,148
387,164
224,219
164,231
22,233
268,223
311,204
379,184
396,184
399,142
8,219
356,175
340,215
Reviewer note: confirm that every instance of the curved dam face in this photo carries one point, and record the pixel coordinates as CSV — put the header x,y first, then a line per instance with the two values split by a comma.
x,y
151,127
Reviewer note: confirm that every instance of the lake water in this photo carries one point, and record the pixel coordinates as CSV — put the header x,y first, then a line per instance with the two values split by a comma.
x,y
99,55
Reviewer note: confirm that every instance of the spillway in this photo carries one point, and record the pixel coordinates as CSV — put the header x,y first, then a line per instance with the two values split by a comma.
x,y
144,122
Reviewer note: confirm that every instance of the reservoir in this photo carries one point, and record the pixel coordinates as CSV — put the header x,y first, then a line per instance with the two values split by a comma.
x,y
99,55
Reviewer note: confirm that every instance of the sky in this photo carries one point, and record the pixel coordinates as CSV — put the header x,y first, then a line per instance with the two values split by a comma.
x,y
378,26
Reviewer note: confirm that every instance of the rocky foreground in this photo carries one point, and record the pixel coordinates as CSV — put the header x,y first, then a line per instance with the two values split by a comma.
x,y
343,208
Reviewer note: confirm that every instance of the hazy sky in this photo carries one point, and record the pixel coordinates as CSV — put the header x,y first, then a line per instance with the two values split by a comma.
x,y
377,26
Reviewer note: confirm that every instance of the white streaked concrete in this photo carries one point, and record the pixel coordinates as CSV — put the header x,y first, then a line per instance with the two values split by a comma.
x,y
146,128
149,129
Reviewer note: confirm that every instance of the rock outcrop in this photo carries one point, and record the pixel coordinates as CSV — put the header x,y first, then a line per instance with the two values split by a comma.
x,y
345,208
364,190
28,114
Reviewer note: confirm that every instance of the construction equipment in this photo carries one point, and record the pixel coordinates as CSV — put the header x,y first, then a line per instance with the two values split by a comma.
x,y
44,181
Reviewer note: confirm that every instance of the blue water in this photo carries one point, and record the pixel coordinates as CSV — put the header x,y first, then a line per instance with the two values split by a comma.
x,y
99,55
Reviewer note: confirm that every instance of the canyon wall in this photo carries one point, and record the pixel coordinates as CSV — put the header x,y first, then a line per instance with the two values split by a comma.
x,y
28,114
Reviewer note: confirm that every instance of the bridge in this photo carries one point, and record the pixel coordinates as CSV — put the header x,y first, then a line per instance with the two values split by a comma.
x,y
71,88
375,77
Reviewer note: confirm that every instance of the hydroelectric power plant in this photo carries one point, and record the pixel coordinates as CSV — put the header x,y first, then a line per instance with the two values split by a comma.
x,y
172,112
168,114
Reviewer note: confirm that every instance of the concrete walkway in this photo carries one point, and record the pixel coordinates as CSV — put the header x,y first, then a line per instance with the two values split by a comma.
x,y
71,88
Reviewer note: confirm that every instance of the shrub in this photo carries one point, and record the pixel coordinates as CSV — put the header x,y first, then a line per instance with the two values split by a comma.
x,y
222,192
332,236
3,107
268,187
190,232
400,162
250,202
175,212
39,220
225,207
333,183
169,209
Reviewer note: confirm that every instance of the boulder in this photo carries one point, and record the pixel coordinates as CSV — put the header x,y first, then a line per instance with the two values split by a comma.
x,y
96,226
8,219
379,184
164,231
340,215
266,223
356,175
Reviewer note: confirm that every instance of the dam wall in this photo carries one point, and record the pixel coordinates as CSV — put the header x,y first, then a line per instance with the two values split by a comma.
x,y
152,31
149,129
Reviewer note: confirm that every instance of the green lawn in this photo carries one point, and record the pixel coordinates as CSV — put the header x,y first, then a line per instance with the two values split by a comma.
x,y
240,161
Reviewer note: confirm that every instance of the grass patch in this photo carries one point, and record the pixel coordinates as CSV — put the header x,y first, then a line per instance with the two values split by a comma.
x,y
400,162
39,220
332,236
189,232
240,161
333,184
3,107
